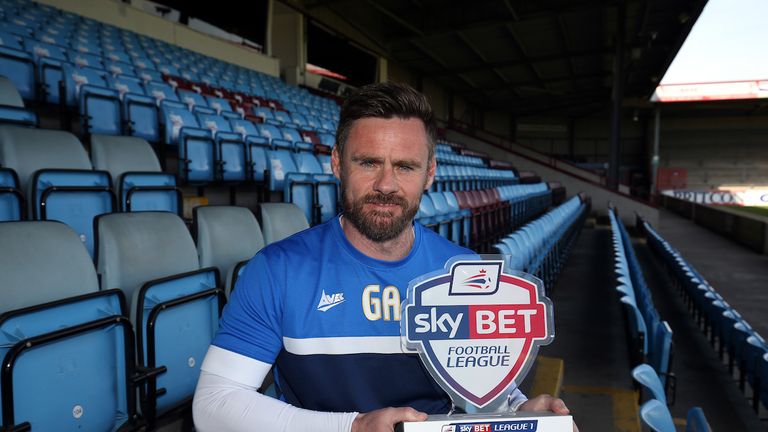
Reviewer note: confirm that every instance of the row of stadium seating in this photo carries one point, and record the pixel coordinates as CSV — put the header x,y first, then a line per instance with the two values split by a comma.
x,y
44,38
727,330
650,338
59,307
479,217
541,246
52,170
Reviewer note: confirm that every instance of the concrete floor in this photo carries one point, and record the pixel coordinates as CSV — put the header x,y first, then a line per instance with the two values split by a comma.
x,y
590,337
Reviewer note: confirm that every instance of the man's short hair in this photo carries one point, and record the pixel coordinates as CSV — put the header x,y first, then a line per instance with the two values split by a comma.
x,y
386,100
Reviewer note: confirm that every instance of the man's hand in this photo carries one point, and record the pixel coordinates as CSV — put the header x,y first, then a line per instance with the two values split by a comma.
x,y
385,419
546,402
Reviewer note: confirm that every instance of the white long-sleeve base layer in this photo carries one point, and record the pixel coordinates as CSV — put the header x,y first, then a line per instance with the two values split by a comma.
x,y
226,400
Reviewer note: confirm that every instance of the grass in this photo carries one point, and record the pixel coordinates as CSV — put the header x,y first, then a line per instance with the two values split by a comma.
x,y
759,211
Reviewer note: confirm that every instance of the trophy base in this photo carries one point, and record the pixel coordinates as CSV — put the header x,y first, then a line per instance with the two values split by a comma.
x,y
520,421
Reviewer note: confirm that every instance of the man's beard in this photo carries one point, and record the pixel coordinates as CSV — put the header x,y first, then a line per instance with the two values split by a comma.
x,y
379,226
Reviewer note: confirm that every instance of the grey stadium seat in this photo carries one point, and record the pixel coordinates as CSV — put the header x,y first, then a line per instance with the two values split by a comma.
x,y
28,150
139,182
227,236
41,262
175,305
57,328
12,108
281,220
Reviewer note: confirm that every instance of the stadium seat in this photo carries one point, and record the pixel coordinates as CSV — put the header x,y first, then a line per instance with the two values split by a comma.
x,y
49,59
19,67
281,220
227,237
67,347
297,188
326,196
696,421
196,146
12,106
139,111
231,151
135,171
656,416
649,379
56,177
11,198
175,305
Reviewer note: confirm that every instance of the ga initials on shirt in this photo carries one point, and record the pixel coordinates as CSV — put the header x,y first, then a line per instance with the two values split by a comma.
x,y
378,303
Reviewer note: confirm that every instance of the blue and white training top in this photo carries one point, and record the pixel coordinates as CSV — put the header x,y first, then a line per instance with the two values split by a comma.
x,y
328,317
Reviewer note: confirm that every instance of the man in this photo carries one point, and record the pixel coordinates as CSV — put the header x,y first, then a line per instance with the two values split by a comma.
x,y
323,306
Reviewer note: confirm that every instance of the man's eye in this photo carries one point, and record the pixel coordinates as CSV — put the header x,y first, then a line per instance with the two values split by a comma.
x,y
405,168
367,164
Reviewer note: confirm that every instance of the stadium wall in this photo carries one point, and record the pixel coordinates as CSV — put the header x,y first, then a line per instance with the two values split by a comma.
x,y
130,18
716,151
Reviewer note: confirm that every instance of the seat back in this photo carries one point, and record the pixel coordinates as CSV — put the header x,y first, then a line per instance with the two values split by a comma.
x,y
29,150
120,154
19,67
133,248
696,421
645,375
281,220
74,197
11,198
226,236
8,94
42,261
656,416
53,311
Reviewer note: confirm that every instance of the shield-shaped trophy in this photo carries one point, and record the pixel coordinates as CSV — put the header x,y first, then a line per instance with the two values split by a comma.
x,y
477,328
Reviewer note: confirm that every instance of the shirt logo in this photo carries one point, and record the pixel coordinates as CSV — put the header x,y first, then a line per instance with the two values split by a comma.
x,y
328,301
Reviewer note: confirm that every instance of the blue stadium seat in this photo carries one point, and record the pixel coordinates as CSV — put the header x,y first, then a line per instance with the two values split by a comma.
x,y
227,237
175,305
59,333
191,99
649,379
135,171
19,67
462,221
231,152
220,105
326,195
161,91
98,104
139,111
11,197
427,214
696,421
284,176
48,59
196,146
275,136
656,416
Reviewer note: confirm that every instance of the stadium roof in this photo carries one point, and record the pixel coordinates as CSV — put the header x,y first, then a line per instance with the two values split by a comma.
x,y
540,57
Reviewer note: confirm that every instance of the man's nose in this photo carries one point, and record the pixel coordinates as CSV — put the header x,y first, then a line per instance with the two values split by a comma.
x,y
386,181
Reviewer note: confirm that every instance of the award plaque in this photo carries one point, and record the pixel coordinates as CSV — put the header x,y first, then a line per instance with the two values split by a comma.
x,y
477,329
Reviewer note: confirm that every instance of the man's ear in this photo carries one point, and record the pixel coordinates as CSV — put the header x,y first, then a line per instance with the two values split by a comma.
x,y
431,170
336,162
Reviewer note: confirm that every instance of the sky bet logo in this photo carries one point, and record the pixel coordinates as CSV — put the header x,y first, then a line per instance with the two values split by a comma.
x,y
477,329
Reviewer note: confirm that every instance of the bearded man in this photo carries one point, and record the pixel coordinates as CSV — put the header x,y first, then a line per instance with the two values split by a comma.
x,y
323,306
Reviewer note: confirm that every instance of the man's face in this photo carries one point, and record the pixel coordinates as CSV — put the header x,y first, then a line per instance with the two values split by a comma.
x,y
383,172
